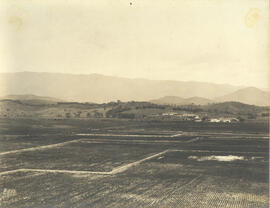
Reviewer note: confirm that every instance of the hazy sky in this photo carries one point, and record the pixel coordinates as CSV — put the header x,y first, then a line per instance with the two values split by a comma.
x,y
221,41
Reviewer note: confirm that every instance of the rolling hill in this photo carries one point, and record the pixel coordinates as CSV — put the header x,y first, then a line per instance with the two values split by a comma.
x,y
233,108
32,99
66,110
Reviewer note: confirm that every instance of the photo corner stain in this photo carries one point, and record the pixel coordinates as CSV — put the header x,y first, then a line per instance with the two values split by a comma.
x,y
252,17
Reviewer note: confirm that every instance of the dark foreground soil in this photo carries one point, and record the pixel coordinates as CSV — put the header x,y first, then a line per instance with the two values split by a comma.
x,y
206,165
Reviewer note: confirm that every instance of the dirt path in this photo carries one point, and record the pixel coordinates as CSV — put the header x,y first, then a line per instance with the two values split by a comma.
x,y
97,141
215,151
125,167
113,172
39,147
133,135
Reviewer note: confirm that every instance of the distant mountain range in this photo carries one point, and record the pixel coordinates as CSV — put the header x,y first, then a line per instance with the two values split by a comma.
x,y
249,95
96,88
174,100
32,99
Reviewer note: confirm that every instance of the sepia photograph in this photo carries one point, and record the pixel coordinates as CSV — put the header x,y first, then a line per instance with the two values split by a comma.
x,y
134,103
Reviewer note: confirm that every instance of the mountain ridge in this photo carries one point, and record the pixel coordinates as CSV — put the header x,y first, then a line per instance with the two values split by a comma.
x,y
248,95
100,88
174,100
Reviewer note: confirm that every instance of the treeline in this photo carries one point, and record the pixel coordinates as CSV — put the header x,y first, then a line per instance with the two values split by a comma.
x,y
123,110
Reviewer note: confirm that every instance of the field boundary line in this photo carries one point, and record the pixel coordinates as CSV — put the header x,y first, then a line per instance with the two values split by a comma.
x,y
215,151
193,140
127,166
10,172
52,171
114,171
40,147
132,135
96,141
104,141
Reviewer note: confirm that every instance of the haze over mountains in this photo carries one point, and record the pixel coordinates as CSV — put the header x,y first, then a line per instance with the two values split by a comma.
x,y
99,88
248,95
32,99
174,100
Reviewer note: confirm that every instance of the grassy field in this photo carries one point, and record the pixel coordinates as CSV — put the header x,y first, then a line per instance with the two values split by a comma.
x,y
129,163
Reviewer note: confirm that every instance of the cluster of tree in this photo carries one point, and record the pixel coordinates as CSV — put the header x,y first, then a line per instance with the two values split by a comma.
x,y
265,114
151,107
117,111
78,114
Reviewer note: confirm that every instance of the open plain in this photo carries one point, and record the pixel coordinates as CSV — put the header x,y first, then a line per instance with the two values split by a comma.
x,y
132,163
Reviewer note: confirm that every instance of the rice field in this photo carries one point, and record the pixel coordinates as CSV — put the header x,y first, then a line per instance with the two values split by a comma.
x,y
191,169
